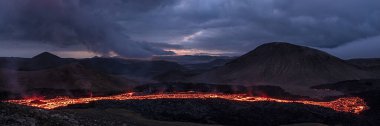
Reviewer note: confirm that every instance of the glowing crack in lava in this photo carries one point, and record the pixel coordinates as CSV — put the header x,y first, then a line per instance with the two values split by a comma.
x,y
349,104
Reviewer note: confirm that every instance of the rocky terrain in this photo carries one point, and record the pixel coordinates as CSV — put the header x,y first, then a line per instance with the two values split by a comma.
x,y
369,90
352,86
218,111
15,115
185,112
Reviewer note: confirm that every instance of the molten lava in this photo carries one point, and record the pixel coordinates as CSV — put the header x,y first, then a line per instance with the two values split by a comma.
x,y
349,104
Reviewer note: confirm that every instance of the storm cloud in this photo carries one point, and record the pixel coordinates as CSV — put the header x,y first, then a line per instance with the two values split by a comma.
x,y
141,28
70,22
244,24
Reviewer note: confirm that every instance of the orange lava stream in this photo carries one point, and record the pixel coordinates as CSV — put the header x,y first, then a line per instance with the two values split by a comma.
x,y
349,104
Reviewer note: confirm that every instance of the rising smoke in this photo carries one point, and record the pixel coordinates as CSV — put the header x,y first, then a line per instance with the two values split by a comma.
x,y
69,22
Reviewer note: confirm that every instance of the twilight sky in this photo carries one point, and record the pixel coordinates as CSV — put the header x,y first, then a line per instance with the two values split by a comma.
x,y
142,28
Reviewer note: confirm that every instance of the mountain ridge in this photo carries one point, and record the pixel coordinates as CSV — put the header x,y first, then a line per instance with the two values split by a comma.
x,y
280,63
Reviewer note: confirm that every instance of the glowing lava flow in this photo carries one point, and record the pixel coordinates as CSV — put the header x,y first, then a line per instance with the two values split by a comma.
x,y
349,104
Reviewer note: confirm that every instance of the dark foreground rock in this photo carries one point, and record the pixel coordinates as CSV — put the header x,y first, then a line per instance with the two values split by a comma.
x,y
15,115
224,112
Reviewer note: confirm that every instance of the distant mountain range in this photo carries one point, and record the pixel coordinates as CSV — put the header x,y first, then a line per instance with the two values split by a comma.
x,y
192,59
280,64
371,64
48,71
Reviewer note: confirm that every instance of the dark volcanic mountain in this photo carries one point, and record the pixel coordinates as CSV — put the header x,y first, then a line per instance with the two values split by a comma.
x,y
46,56
44,60
284,64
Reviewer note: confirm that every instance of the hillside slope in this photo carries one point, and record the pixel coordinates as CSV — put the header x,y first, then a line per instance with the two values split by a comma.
x,y
284,64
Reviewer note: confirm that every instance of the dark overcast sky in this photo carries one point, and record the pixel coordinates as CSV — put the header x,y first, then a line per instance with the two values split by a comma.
x,y
142,28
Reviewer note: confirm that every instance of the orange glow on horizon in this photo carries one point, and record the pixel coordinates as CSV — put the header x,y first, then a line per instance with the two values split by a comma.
x,y
181,52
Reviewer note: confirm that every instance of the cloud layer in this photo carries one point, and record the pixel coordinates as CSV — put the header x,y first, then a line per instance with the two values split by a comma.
x,y
227,25
70,22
